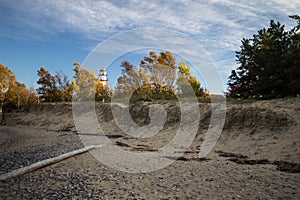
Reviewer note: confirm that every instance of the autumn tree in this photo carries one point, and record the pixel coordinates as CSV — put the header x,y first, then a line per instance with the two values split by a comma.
x,y
269,65
70,93
33,96
54,88
13,93
154,78
62,85
17,94
133,79
161,70
87,85
7,80
48,91
186,80
102,92
86,82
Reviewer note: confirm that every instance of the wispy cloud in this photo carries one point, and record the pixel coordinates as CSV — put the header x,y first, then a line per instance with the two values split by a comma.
x,y
217,25
96,19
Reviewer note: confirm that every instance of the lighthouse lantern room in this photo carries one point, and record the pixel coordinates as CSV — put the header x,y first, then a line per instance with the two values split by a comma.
x,y
103,76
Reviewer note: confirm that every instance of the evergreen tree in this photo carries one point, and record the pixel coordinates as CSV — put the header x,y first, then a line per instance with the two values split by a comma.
x,y
269,65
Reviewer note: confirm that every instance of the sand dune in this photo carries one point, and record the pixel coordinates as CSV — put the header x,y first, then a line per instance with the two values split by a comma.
x,y
257,155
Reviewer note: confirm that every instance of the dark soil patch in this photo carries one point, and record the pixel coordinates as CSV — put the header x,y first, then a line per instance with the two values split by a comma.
x,y
230,155
283,166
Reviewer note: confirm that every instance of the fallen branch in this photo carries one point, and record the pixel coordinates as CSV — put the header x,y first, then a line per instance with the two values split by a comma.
x,y
44,163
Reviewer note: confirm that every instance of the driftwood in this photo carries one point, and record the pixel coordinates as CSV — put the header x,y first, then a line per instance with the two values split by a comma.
x,y
44,163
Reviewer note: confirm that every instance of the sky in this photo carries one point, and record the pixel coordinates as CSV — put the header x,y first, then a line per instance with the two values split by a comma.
x,y
56,33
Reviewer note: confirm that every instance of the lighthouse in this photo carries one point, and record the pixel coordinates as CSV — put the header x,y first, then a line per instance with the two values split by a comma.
x,y
103,77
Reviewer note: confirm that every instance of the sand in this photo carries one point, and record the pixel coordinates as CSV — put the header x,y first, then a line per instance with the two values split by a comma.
x,y
257,155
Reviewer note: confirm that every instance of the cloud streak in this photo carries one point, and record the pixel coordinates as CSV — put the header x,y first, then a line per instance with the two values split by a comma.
x,y
217,25
96,19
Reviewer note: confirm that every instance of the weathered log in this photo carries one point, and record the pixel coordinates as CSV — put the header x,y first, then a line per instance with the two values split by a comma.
x,y
44,163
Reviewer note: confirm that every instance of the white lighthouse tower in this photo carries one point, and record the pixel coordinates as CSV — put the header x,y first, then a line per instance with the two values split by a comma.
x,y
103,77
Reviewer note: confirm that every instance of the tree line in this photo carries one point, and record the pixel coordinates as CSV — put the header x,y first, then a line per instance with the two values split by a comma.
x,y
12,92
157,77
269,67
57,88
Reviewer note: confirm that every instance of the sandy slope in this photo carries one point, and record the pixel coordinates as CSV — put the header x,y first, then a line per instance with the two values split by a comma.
x,y
254,158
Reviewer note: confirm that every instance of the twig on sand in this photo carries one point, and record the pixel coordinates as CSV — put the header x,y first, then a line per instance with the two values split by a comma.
x,y
44,163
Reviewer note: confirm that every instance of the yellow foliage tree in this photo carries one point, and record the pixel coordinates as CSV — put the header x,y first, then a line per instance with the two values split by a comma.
x,y
186,80
12,92
87,85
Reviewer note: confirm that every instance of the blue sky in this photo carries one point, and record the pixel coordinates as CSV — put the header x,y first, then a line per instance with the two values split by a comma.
x,y
56,33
